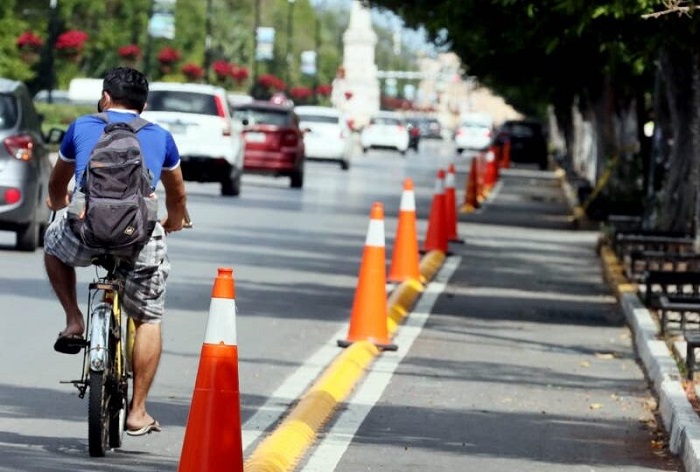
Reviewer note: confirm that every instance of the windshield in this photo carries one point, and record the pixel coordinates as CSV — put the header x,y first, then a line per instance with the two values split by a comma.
x,y
182,102
256,116
319,119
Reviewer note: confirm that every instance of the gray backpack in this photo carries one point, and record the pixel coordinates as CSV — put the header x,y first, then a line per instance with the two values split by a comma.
x,y
120,209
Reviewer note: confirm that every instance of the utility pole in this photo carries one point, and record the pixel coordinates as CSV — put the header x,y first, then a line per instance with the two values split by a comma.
x,y
149,42
256,14
53,33
290,52
207,41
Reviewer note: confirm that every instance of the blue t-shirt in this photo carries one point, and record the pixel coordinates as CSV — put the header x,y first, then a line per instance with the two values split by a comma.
x,y
157,144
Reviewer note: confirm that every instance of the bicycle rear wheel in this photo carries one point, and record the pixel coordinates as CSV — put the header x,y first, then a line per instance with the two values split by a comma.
x,y
99,413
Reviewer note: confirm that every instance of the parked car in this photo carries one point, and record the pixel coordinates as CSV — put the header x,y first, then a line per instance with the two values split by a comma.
x,y
199,118
274,142
24,166
474,132
528,143
386,130
430,128
414,132
327,136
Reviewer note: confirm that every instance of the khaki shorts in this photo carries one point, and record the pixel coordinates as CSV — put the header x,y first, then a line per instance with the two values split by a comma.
x,y
144,278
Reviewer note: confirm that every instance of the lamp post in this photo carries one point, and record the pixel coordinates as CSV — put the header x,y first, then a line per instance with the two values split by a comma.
x,y
207,42
256,14
290,26
53,33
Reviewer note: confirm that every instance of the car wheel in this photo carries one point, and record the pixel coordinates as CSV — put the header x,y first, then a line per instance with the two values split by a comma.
x,y
344,164
297,179
459,150
402,152
231,187
543,165
364,150
29,236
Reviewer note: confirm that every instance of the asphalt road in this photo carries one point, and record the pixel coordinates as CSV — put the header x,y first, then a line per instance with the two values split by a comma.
x,y
516,358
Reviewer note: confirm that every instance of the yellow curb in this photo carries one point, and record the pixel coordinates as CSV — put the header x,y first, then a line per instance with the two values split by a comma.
x,y
284,447
614,274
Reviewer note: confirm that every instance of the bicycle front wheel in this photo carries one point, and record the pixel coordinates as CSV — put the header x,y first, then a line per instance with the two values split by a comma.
x,y
98,414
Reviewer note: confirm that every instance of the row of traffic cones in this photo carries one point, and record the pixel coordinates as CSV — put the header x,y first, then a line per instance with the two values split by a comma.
x,y
483,175
213,437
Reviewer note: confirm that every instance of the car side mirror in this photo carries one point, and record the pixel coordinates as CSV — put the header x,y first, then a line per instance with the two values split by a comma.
x,y
55,136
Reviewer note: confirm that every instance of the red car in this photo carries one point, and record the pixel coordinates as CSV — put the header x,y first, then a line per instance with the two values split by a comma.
x,y
274,143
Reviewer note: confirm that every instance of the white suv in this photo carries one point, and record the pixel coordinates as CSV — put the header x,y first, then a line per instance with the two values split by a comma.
x,y
209,140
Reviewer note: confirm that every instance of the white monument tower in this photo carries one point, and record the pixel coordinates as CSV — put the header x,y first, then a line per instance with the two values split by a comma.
x,y
359,41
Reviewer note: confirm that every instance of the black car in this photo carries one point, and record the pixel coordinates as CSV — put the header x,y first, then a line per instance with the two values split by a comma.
x,y
528,144
430,128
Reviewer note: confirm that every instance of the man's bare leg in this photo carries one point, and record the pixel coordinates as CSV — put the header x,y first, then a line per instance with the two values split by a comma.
x,y
147,350
62,278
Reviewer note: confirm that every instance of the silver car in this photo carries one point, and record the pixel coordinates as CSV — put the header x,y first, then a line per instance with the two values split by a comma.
x,y
24,166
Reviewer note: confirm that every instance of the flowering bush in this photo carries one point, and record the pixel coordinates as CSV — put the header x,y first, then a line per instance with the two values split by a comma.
x,y
130,52
168,55
71,41
301,92
324,89
271,81
222,69
192,71
29,40
239,74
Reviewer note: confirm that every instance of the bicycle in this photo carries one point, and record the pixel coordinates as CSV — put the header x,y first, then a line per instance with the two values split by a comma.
x,y
106,361
107,355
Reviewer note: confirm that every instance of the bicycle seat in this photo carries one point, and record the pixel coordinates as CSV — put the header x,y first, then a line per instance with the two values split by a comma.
x,y
106,261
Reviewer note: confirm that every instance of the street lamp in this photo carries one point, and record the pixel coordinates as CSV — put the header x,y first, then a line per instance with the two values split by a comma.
x,y
290,11
53,33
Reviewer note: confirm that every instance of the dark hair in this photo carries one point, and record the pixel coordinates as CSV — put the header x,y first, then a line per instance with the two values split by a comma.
x,y
127,87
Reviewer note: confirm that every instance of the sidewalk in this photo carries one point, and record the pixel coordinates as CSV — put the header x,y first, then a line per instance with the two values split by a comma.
x,y
525,361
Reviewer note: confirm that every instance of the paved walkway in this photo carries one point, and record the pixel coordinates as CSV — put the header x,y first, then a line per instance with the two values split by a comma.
x,y
525,361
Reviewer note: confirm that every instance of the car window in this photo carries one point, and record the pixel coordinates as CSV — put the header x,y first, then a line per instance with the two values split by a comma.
x,y
385,121
182,102
257,116
521,131
320,119
8,111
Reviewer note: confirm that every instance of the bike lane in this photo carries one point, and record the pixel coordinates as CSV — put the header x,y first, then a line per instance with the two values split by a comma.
x,y
515,358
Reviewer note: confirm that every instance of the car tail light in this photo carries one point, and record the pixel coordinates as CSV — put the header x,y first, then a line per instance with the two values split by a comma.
x,y
459,132
488,133
20,147
400,127
289,138
12,195
220,110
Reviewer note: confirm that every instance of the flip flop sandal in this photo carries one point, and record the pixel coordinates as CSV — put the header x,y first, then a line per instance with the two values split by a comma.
x,y
69,343
148,429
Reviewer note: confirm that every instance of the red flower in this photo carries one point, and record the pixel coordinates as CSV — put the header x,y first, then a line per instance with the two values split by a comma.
x,y
72,40
301,92
168,55
29,40
130,51
324,89
222,69
239,74
270,81
192,71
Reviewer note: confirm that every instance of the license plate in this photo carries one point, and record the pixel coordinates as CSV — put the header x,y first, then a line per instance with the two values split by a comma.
x,y
255,137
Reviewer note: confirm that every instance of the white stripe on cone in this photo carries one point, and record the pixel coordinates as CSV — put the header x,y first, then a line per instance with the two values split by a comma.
x,y
375,233
450,180
408,201
221,324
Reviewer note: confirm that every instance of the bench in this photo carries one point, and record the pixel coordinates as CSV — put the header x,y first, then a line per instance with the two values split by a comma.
x,y
641,262
670,283
682,306
625,243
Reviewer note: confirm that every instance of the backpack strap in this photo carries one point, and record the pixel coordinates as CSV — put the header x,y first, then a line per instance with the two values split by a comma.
x,y
138,123
101,116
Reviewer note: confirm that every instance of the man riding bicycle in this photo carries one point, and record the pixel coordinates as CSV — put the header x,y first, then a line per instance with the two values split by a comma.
x,y
124,95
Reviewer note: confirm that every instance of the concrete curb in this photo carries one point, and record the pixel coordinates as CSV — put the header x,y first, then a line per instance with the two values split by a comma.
x,y
678,415
283,448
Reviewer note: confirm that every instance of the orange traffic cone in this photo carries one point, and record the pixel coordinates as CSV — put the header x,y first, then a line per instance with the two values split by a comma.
x,y
213,434
436,239
481,181
505,156
368,320
451,206
404,261
471,199
491,170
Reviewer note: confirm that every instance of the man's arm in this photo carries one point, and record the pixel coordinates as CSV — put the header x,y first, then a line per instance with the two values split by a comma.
x,y
61,174
175,199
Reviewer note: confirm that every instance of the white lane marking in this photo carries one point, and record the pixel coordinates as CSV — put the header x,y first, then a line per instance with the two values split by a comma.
x,y
331,449
291,389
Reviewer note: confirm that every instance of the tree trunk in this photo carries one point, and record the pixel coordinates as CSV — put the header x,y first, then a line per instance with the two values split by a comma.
x,y
679,188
